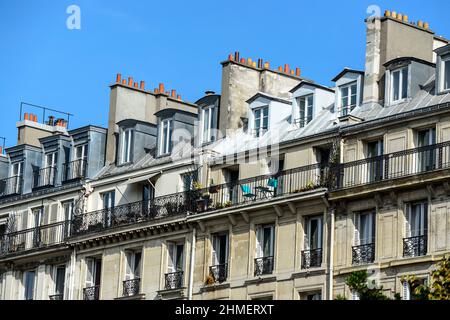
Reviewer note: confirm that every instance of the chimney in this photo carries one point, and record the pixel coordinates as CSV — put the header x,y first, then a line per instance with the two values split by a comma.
x,y
130,81
280,68
242,60
142,85
209,93
236,56
260,63
178,97
124,82
161,88
25,116
297,72
118,78
173,94
136,85
266,65
286,68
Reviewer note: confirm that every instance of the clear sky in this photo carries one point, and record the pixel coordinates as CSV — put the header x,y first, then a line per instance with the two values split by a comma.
x,y
179,43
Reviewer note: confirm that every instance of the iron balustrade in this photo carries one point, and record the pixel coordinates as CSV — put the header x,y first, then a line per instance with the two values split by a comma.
x,y
415,246
259,132
131,213
56,297
363,254
391,166
131,287
174,280
301,122
264,265
91,293
311,258
11,186
219,272
37,237
45,177
74,170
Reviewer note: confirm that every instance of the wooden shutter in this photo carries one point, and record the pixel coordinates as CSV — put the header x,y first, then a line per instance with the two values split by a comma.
x,y
356,239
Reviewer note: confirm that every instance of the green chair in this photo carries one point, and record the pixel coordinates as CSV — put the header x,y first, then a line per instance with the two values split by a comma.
x,y
247,192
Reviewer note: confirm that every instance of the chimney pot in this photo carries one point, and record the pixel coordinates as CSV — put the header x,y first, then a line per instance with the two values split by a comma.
x,y
280,68
266,65
179,97
394,14
118,78
405,18
130,81
124,81
242,60
420,24
399,16
230,57
173,93
297,72
426,25
254,64
142,85
156,90
25,116
136,85
292,72
161,88
286,68
249,61
387,13
260,63
236,56
35,118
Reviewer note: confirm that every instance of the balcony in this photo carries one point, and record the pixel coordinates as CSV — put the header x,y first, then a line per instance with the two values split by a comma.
x,y
75,170
38,237
56,297
311,258
174,280
415,246
391,166
131,287
45,177
363,254
91,293
11,186
263,266
219,272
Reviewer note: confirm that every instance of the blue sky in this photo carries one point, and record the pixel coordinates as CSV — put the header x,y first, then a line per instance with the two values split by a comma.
x,y
179,43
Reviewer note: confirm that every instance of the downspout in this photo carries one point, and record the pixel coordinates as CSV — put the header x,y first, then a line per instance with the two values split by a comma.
x,y
72,272
191,264
331,256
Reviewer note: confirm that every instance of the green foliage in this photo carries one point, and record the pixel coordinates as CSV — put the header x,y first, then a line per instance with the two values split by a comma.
x,y
340,297
357,281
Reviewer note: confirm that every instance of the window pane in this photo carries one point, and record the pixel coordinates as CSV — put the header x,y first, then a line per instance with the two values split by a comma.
x,y
404,83
344,96
447,74
60,278
396,86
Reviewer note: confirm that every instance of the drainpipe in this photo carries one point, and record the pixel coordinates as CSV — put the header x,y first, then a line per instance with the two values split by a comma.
x,y
72,273
191,265
331,256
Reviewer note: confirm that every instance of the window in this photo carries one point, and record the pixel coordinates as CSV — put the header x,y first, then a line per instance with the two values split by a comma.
x,y
133,265
93,272
208,115
108,205
306,109
48,173
38,216
29,280
219,249
375,149
261,123
415,241
408,290
175,262
189,179
348,98
67,207
265,238
399,84
148,192
59,277
17,171
427,156
365,228
80,160
314,295
313,236
445,74
165,143
126,145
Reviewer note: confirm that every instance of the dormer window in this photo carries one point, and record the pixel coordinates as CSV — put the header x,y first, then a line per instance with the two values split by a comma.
x,y
306,109
207,127
348,98
261,120
165,136
445,74
399,84
126,145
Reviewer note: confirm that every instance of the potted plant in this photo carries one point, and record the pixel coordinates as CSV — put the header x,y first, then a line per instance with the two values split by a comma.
x,y
227,204
213,188
218,205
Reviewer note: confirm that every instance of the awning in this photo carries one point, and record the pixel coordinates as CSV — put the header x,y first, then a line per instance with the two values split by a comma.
x,y
144,178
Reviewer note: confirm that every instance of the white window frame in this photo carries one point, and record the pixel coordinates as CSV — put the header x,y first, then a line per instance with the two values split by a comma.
x,y
421,216
307,242
16,174
131,270
400,84
260,241
309,109
90,278
349,97
445,63
259,131
55,277
127,135
172,256
357,237
207,135
165,136
215,247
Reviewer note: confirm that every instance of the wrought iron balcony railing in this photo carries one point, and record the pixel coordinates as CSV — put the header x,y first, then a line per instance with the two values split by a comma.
x,y
11,186
38,237
415,246
131,287
74,170
263,265
301,122
219,272
131,213
91,293
363,254
311,258
45,177
174,280
391,166
56,297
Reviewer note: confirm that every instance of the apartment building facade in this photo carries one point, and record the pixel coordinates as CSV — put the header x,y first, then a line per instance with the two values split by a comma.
x,y
278,188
